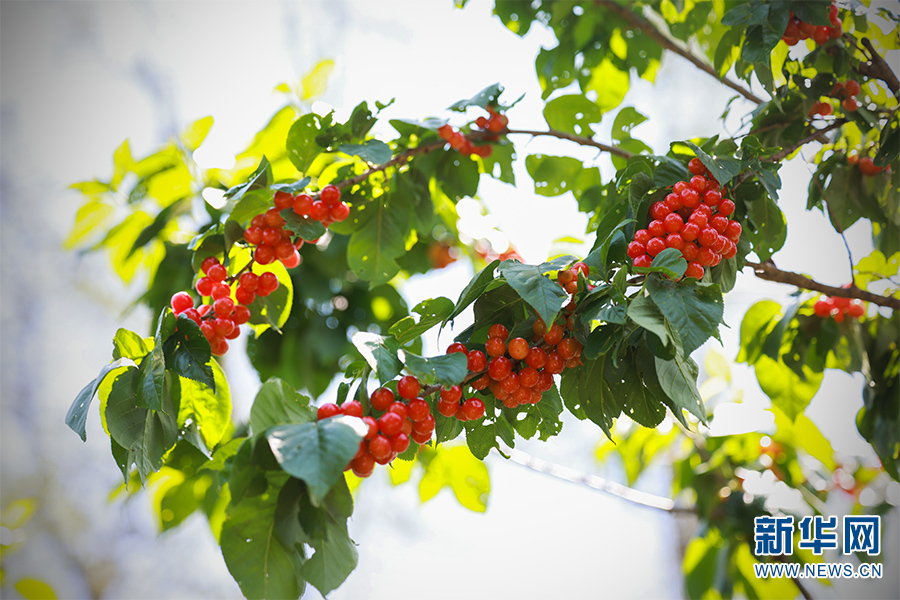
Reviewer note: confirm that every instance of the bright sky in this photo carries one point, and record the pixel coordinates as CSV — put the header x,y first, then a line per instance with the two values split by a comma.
x,y
96,73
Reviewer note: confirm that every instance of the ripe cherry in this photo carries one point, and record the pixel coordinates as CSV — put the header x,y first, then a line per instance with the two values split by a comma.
x,y
477,361
499,368
448,409
656,245
381,399
327,410
408,387
181,302
696,166
418,409
473,409
536,358
498,330
268,283
352,408
390,423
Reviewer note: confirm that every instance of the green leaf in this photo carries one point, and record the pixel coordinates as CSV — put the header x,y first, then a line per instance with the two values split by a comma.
x,y
191,354
678,379
627,119
335,556
76,417
277,403
302,226
723,168
481,437
543,295
573,114
380,353
645,313
751,13
249,205
482,99
272,310
635,382
610,83
447,369
301,142
263,565
293,188
755,326
769,230
196,132
553,175
373,151
260,178
431,312
128,344
151,380
380,240
317,452
594,396
668,262
208,409
694,310
146,434
788,391
458,469
473,290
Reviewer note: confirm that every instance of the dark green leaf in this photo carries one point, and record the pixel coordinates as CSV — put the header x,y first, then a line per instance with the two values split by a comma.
x,y
260,178
317,452
750,13
543,295
482,99
482,436
191,356
769,230
678,379
373,151
645,313
553,175
381,354
151,380
432,312
335,556
669,262
573,114
277,403
305,228
374,248
694,310
447,369
76,417
293,188
723,168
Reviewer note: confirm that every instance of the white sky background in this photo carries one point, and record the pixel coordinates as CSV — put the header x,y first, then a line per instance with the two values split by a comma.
x,y
78,78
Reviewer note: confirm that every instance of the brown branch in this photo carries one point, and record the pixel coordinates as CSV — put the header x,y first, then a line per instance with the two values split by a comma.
x,y
878,68
654,34
584,141
597,483
784,153
768,271
397,160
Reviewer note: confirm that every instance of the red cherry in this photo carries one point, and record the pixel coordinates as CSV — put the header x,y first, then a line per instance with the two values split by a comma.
x,y
330,195
426,425
499,368
243,295
408,387
690,198
181,302
453,394
673,202
852,87
224,307
268,283
193,314
495,347
699,183
642,236
555,363
477,361
473,409
726,207
390,423
712,198
706,257
733,231
680,187
283,200
675,240
208,263
643,261
418,409
555,335
363,465
498,330
339,212
352,408
636,249
655,246
518,348
694,270
240,315
318,211
264,255
254,235
537,357
302,204
421,438
249,281
510,383
696,166
220,290
719,223
456,347
673,223
399,443
659,210
821,35
480,383
689,252
381,399
850,104
380,449
327,410
204,286
656,229
856,309
448,409
689,232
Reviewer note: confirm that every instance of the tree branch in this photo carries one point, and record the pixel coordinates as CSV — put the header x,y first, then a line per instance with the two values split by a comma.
x,y
654,34
597,483
584,141
878,68
785,152
770,272
397,160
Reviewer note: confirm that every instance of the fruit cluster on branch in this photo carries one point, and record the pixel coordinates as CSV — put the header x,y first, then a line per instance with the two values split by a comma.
x,y
797,29
693,219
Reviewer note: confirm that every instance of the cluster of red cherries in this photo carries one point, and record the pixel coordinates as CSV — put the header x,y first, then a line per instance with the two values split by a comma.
x,y
838,308
846,92
389,435
693,219
219,320
515,371
494,124
865,164
797,30
274,242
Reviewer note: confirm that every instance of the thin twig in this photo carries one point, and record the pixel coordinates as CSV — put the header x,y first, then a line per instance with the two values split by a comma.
x,y
597,483
878,68
644,25
785,152
584,141
770,272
